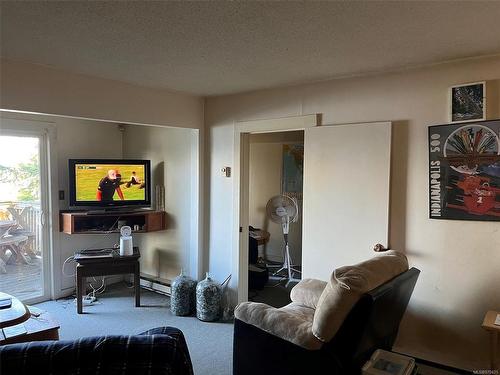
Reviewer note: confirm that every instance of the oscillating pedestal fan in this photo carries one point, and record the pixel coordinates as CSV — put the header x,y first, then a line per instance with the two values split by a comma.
x,y
284,210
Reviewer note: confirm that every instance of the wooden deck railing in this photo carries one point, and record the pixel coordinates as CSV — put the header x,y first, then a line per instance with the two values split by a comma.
x,y
27,215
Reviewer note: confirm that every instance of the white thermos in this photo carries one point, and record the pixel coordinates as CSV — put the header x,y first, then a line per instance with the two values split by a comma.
x,y
126,245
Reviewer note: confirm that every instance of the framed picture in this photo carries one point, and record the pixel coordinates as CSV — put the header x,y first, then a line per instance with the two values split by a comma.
x,y
464,171
293,169
468,102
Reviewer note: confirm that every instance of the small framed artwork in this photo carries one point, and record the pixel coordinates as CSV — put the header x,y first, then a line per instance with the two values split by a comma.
x,y
468,102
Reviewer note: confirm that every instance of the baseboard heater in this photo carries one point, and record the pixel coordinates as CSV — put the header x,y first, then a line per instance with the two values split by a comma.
x,y
156,284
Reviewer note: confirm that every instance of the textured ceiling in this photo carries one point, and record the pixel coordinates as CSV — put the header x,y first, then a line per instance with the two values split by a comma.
x,y
213,48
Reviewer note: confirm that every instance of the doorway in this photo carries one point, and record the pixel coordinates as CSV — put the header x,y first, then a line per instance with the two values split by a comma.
x,y
240,242
24,264
341,221
275,183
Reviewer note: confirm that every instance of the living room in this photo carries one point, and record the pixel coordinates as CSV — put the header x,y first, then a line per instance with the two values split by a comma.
x,y
370,80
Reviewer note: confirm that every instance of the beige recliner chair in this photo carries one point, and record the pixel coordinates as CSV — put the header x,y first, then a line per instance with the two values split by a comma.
x,y
307,330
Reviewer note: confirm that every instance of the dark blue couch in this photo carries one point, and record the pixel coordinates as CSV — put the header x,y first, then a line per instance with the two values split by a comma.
x,y
157,351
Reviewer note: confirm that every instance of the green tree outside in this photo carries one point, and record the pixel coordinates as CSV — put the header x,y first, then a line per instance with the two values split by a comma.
x,y
26,176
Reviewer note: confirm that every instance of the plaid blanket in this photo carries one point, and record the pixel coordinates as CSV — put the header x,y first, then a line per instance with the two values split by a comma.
x,y
161,351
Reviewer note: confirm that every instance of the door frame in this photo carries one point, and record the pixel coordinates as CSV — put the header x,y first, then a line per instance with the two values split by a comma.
x,y
242,131
46,132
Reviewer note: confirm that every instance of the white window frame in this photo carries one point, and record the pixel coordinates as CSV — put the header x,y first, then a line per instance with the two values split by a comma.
x,y
49,206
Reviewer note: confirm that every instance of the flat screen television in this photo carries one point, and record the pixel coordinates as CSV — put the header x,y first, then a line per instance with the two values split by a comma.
x,y
107,183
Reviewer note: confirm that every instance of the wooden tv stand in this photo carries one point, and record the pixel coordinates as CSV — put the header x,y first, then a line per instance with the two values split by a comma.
x,y
81,222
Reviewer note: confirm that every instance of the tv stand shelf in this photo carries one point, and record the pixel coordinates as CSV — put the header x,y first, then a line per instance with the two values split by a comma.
x,y
81,222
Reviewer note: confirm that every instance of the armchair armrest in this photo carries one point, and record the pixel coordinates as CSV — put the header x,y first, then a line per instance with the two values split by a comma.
x,y
169,331
292,322
181,361
307,292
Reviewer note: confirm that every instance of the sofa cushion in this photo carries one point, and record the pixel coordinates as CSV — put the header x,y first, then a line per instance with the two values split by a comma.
x,y
346,286
292,322
307,292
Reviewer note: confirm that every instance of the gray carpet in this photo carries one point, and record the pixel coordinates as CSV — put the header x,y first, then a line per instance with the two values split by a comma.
x,y
210,344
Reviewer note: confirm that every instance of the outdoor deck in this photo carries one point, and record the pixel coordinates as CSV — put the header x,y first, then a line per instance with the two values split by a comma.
x,y
23,281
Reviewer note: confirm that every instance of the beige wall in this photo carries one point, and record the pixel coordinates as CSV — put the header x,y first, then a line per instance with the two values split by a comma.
x,y
266,164
170,151
37,88
459,259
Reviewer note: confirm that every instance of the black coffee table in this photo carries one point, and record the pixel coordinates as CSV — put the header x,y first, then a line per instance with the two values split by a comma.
x,y
116,265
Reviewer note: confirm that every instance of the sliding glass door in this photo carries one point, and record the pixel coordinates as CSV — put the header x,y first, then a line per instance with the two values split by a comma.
x,y
23,214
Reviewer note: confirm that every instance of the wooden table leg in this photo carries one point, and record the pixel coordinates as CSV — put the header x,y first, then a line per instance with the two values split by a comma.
x,y
17,256
494,349
20,255
30,247
137,285
3,256
79,291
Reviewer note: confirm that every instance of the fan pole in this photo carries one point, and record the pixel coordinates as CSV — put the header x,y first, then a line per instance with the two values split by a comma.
x,y
287,261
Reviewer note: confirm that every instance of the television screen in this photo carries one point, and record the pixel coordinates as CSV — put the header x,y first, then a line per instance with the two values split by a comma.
x,y
109,182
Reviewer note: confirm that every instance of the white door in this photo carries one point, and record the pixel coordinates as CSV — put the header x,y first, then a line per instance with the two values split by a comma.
x,y
346,195
24,208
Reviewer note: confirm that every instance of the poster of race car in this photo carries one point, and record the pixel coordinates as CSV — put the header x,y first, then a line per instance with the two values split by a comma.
x,y
464,171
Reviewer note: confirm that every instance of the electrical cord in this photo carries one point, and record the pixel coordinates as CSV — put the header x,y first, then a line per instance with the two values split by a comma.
x,y
92,295
72,258
102,288
68,259
106,232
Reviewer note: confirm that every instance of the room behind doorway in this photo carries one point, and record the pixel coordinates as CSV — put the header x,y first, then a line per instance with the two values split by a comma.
x,y
275,167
